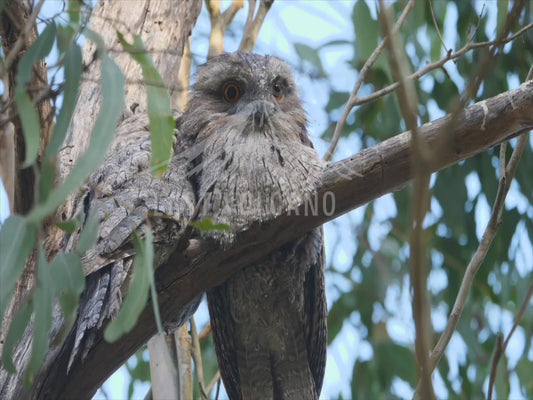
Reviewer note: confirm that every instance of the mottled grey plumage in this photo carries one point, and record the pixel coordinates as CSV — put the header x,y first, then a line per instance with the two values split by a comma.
x,y
256,162
126,198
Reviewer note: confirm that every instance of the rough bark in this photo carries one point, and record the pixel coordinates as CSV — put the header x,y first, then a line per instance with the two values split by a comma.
x,y
164,27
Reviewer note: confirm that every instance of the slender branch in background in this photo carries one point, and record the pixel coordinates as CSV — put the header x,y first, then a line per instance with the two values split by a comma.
x,y
252,27
149,395
196,353
498,351
205,332
499,348
408,103
219,23
214,381
520,314
506,175
184,350
479,255
354,100
229,13
362,75
436,25
476,79
14,52
250,17
510,172
438,64
184,76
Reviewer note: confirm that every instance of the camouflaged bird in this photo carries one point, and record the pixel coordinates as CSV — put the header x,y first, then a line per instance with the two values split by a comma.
x,y
256,161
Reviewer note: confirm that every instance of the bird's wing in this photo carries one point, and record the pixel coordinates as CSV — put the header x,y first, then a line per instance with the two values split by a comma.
x,y
316,310
126,198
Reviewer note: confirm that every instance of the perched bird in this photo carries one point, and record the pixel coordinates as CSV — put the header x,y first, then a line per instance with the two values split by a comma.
x,y
256,161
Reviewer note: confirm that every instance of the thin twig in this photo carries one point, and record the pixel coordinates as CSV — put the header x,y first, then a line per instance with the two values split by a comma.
x,y
219,23
205,332
438,64
354,101
229,13
481,252
196,353
362,75
436,25
252,28
218,387
17,46
498,351
506,176
213,382
520,314
408,103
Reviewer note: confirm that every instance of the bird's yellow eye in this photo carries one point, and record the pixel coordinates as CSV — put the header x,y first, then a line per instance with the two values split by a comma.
x,y
232,92
277,91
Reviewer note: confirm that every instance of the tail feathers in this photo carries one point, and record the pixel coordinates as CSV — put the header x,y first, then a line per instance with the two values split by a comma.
x,y
283,376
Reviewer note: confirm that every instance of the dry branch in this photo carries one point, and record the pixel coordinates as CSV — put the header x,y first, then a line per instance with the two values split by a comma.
x,y
418,266
349,183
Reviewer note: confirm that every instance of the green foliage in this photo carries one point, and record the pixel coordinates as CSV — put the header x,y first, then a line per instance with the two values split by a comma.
x,y
15,330
42,308
459,211
25,108
310,55
137,293
60,279
140,371
207,224
159,114
17,239
101,137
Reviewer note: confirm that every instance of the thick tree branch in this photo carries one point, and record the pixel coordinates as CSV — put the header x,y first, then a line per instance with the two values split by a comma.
x,y
344,186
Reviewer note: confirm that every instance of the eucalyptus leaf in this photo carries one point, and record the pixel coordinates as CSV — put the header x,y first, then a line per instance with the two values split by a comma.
x,y
17,239
37,51
18,325
69,226
149,263
135,299
68,280
30,125
159,112
207,225
74,11
310,54
42,306
25,108
73,67
366,30
88,235
102,135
